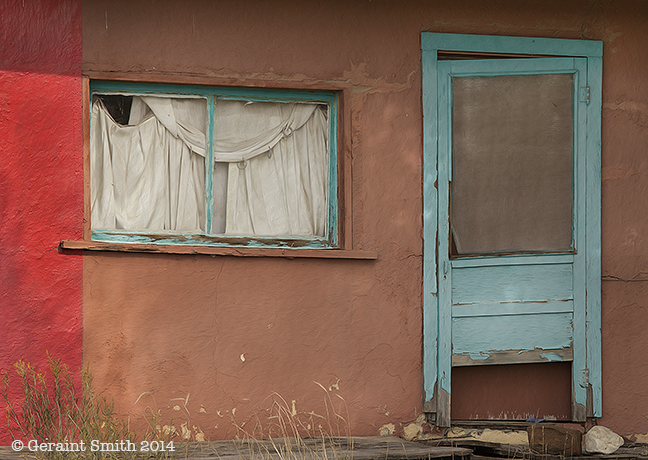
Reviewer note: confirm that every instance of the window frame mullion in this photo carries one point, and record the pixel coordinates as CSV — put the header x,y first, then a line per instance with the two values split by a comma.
x,y
209,168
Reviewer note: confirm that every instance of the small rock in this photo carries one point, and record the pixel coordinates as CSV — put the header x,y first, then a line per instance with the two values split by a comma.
x,y
602,440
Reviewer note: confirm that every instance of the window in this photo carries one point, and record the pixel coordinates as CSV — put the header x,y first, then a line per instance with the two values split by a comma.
x,y
214,166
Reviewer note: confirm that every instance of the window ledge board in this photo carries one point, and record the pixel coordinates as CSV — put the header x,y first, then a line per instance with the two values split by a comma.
x,y
219,251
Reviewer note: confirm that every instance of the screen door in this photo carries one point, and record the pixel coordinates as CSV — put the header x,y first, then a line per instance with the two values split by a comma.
x,y
511,197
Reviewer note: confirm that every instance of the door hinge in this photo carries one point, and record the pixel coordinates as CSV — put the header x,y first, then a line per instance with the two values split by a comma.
x,y
585,94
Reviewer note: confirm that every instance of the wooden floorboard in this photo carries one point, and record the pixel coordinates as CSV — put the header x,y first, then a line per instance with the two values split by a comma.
x,y
485,448
359,448
352,448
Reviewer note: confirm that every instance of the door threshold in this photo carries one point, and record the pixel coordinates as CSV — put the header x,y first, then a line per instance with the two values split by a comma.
x,y
507,424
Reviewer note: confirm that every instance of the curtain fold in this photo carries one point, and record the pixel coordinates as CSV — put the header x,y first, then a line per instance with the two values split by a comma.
x,y
281,188
179,116
143,177
249,129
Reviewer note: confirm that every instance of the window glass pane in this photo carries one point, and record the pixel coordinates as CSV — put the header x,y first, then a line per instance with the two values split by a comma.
x,y
148,169
270,174
208,163
512,163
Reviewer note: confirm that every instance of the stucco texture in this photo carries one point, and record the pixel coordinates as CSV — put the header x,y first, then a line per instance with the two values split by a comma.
x,y
41,179
211,340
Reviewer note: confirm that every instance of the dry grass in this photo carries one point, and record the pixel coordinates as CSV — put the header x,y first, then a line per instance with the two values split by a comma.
x,y
52,411
283,433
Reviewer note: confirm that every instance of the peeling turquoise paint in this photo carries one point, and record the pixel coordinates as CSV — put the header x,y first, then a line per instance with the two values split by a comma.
x,y
202,240
473,335
479,356
552,357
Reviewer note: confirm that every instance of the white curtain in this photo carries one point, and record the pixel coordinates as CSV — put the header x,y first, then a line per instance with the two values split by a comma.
x,y
277,179
270,172
149,175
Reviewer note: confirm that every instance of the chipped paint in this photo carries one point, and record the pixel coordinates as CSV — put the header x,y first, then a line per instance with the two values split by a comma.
x,y
479,356
185,432
412,431
551,357
490,357
387,430
640,438
168,430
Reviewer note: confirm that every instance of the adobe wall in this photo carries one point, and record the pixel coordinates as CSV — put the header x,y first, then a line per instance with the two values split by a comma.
x,y
212,339
41,182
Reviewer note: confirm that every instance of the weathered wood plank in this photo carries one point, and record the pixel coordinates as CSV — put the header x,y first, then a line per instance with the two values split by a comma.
x,y
513,357
430,197
444,363
218,251
593,238
545,438
525,283
534,456
352,448
486,449
512,308
510,45
478,335
513,259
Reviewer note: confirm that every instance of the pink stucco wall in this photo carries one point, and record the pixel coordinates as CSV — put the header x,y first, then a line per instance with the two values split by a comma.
x,y
41,187
178,325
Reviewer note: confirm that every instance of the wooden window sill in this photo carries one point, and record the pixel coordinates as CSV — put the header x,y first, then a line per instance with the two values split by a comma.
x,y
218,251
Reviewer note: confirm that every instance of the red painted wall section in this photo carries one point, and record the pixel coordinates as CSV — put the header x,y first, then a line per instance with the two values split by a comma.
x,y
41,183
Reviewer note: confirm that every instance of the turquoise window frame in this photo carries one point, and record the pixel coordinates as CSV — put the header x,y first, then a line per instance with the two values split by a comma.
x,y
436,380
211,93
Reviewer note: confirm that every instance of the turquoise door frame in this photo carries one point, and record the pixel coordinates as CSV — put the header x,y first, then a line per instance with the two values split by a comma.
x,y
555,305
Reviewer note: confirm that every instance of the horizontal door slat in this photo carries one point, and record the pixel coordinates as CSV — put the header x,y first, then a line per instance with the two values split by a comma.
x,y
513,357
521,283
513,308
482,334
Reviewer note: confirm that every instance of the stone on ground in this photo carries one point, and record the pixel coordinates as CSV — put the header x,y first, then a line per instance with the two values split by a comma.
x,y
602,440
